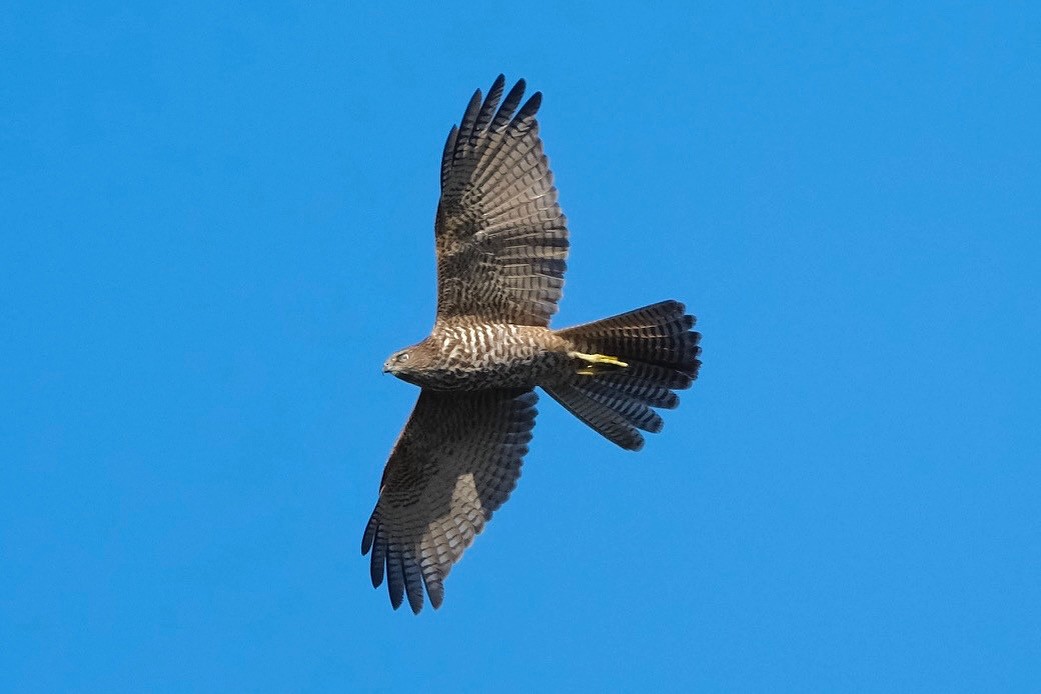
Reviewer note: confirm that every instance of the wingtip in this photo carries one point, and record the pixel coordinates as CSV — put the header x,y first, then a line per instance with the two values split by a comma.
x,y
436,592
369,536
530,107
376,572
470,114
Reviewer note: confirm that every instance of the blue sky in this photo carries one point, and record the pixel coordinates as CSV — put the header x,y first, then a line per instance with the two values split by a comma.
x,y
217,224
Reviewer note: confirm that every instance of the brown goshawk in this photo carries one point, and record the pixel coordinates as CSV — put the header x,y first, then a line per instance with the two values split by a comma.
x,y
501,242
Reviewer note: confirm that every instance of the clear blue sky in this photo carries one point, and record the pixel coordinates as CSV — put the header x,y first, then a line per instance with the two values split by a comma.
x,y
216,224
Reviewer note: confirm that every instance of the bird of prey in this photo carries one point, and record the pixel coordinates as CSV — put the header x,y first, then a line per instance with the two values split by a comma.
x,y
501,242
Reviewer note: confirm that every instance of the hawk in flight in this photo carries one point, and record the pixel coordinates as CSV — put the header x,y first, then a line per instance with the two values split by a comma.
x,y
501,242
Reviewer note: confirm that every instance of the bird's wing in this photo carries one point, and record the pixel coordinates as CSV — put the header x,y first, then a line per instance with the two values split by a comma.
x,y
501,238
456,461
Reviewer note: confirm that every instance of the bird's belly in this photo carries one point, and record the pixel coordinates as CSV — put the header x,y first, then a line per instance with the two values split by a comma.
x,y
498,357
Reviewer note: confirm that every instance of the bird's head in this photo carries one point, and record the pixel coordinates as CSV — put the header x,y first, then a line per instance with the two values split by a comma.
x,y
407,363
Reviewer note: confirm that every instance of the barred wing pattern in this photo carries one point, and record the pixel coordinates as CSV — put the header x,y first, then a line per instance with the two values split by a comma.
x,y
501,238
454,464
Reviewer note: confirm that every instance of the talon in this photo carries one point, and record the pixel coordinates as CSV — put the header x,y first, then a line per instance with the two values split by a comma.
x,y
593,360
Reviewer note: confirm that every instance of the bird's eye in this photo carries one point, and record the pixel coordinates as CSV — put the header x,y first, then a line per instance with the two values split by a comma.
x,y
403,356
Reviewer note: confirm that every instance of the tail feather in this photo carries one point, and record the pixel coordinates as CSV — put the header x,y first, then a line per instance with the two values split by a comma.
x,y
632,410
647,383
661,352
600,417
659,334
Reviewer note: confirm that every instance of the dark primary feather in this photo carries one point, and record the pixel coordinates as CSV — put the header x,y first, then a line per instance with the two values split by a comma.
x,y
501,238
455,463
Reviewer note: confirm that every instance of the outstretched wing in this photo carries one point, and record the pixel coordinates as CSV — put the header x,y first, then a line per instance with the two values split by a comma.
x,y
501,238
456,462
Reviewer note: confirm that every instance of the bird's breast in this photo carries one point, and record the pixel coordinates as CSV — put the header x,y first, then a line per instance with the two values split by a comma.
x,y
488,355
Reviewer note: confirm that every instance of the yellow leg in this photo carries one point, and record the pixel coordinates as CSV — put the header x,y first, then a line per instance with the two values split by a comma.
x,y
593,360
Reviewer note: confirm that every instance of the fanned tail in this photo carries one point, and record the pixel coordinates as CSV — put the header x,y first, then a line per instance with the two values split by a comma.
x,y
626,365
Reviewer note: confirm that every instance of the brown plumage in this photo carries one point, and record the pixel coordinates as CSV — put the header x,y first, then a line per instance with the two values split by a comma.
x,y
501,242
